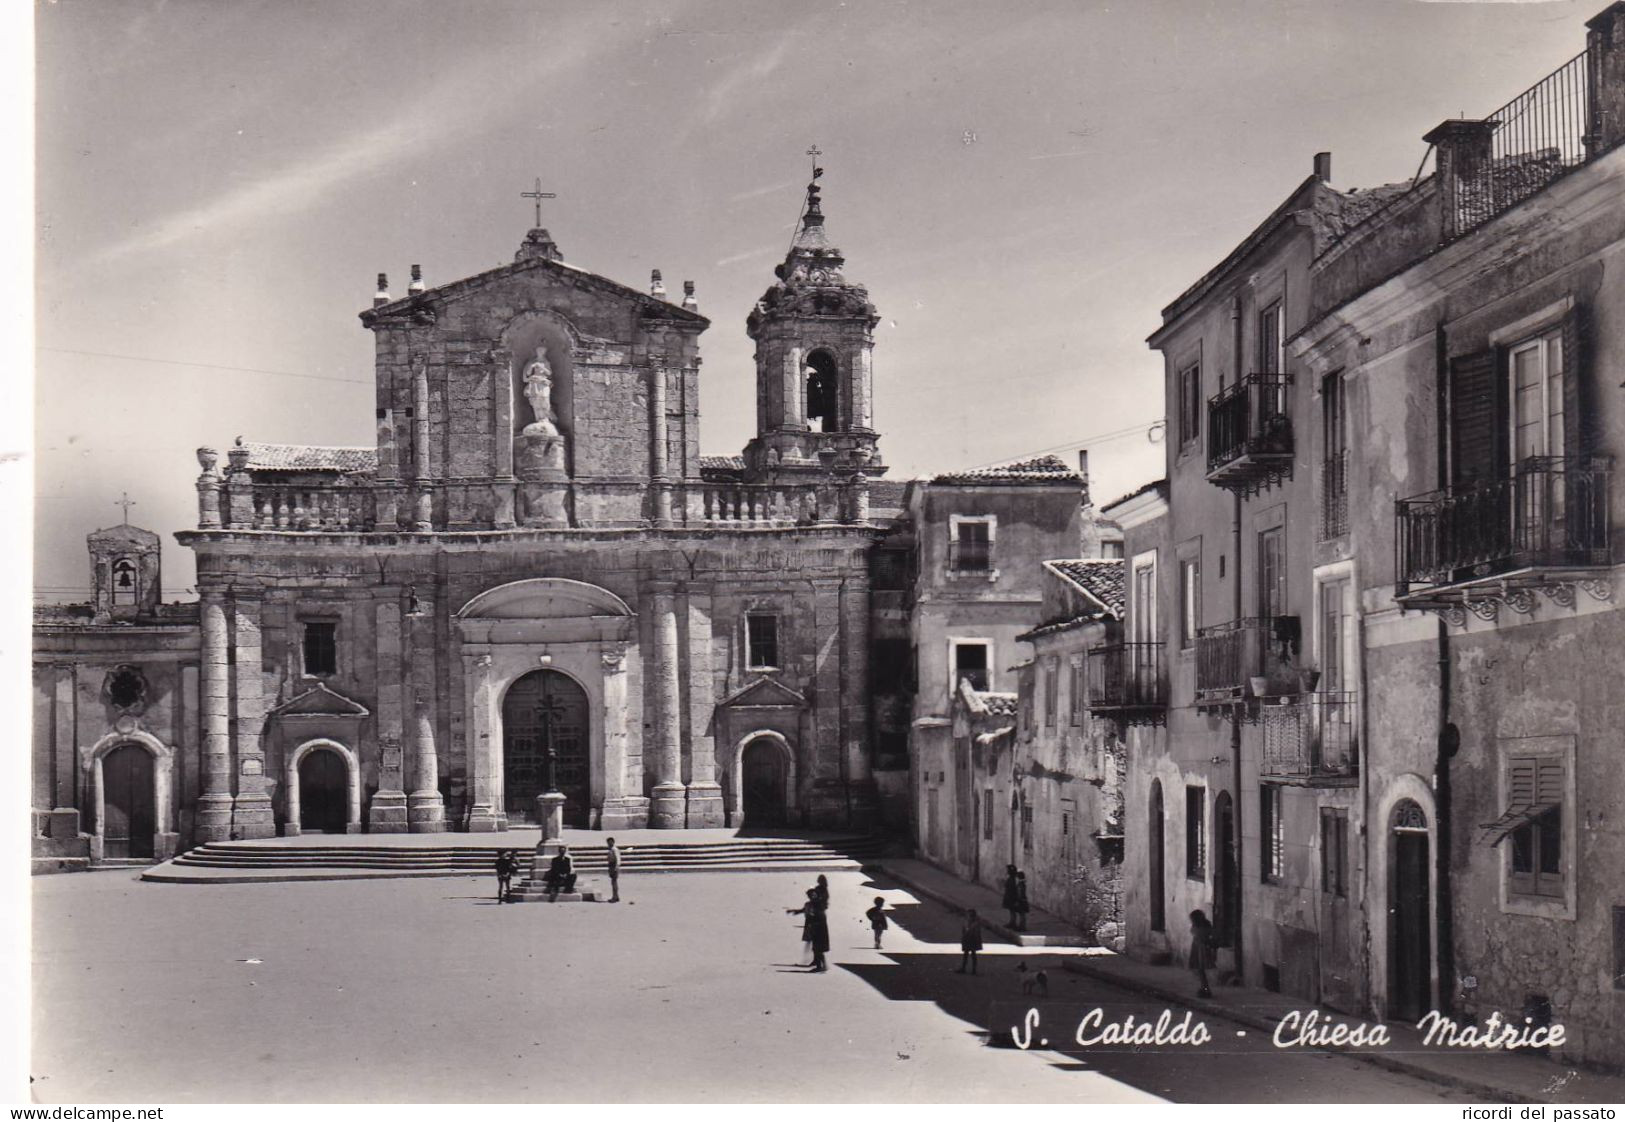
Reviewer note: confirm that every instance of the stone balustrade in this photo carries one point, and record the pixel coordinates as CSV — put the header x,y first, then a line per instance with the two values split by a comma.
x,y
331,509
758,504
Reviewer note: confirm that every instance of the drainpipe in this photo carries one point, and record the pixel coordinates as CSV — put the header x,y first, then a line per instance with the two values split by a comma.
x,y
1448,735
1235,749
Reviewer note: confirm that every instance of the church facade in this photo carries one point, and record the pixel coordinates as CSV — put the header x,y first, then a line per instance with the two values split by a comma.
x,y
535,578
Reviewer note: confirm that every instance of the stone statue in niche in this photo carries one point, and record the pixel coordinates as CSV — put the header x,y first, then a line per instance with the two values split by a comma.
x,y
539,452
539,392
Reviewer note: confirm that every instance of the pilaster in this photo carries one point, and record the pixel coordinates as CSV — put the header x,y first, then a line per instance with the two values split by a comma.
x,y
704,793
251,815
484,815
214,805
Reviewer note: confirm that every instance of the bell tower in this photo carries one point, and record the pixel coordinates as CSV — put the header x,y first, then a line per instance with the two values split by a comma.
x,y
814,336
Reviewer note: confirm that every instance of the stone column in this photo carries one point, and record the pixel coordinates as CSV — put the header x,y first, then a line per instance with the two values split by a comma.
x,y
659,467
502,437
65,773
667,809
795,399
425,809
422,501
484,815
704,793
386,814
864,390
623,806
214,804
240,494
251,815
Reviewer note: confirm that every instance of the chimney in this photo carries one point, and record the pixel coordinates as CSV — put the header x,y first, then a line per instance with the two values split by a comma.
x,y
1083,470
689,302
1462,152
1323,167
381,297
657,287
1605,43
417,281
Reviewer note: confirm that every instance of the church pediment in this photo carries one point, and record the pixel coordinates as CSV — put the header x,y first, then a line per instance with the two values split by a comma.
x,y
765,693
414,308
320,701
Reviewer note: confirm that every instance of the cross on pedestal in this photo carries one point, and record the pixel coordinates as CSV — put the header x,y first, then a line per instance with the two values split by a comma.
x,y
538,194
548,709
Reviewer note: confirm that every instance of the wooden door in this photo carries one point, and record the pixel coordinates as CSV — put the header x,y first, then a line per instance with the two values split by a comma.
x,y
1226,884
324,804
542,708
1158,856
1409,946
128,817
765,784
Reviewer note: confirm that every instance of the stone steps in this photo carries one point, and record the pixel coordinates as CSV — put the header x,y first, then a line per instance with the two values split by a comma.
x,y
364,860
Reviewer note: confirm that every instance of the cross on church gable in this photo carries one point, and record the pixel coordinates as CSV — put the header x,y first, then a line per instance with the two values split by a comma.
x,y
538,194
125,502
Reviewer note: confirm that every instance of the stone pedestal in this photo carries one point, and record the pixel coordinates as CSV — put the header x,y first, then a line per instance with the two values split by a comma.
x,y
544,483
550,816
387,812
624,814
704,805
425,813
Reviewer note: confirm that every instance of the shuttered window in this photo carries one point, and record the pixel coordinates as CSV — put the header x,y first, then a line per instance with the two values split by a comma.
x,y
1477,433
1536,863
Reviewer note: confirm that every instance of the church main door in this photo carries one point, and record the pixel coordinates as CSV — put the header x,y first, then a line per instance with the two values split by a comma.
x,y
128,819
545,708
323,790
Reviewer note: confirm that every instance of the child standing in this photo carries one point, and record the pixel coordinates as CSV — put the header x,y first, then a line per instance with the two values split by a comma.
x,y
877,919
970,942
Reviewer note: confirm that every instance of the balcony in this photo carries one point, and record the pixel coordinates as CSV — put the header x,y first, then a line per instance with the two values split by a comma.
x,y
1544,526
1334,496
1249,434
1246,659
1128,681
1312,739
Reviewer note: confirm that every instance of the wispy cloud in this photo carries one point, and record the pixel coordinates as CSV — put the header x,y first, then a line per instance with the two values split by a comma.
x,y
758,192
755,69
750,255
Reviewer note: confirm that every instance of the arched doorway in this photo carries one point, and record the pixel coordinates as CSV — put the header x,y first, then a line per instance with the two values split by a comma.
x,y
324,789
1410,953
1226,884
545,707
128,813
764,783
1154,841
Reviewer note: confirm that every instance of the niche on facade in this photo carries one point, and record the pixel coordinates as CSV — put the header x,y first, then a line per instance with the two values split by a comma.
x,y
537,342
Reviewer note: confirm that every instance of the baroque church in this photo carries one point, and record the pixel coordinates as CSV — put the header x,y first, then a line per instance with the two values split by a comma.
x,y
533,579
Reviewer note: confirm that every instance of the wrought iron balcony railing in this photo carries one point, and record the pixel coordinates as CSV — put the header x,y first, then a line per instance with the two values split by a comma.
x,y
1234,659
1548,515
1128,681
1311,738
1249,433
1334,496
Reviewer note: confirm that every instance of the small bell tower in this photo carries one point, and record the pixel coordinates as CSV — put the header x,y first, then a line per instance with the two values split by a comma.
x,y
814,336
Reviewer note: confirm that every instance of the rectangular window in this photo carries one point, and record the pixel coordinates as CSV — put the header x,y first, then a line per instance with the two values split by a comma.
x,y
1334,484
1190,601
971,548
1272,572
1334,851
987,814
1536,785
889,570
1075,691
1026,826
321,643
1051,692
762,640
970,665
1112,550
1190,403
1143,604
1271,833
1536,370
1196,833
1271,341
1334,637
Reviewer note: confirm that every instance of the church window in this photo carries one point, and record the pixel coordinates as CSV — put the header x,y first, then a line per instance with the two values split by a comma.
x,y
321,647
126,581
821,391
762,640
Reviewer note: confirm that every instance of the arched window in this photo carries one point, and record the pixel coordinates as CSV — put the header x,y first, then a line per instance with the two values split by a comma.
x,y
126,581
822,397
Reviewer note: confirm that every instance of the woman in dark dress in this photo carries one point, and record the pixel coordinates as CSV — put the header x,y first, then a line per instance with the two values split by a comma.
x,y
1201,954
1022,906
970,942
818,923
806,911
1012,898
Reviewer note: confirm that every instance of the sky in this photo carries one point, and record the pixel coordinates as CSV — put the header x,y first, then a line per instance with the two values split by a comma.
x,y
1022,187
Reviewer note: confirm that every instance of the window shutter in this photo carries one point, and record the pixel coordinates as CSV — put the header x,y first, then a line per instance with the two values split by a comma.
x,y
1522,787
1477,433
1578,418
1549,782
